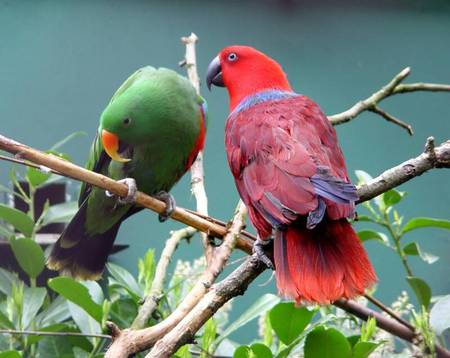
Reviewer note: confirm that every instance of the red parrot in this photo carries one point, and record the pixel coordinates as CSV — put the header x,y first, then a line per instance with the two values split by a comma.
x,y
290,172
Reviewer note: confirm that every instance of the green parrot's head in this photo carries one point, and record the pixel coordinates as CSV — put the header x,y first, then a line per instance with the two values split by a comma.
x,y
142,108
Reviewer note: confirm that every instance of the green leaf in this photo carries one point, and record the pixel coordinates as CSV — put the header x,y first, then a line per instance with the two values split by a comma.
x,y
363,349
260,307
5,232
364,218
392,197
126,280
5,322
242,352
29,255
146,270
33,298
261,351
54,347
440,315
366,235
289,321
63,141
414,249
78,294
84,321
257,350
417,223
37,177
327,343
10,354
363,177
208,336
7,280
421,289
126,309
21,221
60,213
55,312
183,352
353,339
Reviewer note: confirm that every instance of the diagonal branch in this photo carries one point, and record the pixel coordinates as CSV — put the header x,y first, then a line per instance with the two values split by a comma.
x,y
392,88
432,157
151,301
392,119
130,341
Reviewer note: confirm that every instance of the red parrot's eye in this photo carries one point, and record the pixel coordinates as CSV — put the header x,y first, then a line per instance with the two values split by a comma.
x,y
232,57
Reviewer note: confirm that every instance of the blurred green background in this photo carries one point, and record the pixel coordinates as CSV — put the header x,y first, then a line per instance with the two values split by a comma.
x,y
60,61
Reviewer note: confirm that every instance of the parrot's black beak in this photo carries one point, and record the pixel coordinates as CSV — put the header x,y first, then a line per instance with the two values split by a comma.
x,y
214,74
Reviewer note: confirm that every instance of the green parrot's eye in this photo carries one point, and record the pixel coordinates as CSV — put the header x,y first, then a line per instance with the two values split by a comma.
x,y
126,121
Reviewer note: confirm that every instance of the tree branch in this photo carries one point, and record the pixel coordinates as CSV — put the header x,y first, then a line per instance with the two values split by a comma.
x,y
392,88
130,341
432,157
234,285
45,333
151,301
197,172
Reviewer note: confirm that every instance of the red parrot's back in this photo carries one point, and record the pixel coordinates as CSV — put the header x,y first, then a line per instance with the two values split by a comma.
x,y
290,172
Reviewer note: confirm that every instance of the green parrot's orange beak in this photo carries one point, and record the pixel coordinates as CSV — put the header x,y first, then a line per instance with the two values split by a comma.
x,y
111,145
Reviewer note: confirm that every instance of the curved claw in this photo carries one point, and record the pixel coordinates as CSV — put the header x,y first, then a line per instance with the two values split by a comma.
x,y
169,200
258,250
132,192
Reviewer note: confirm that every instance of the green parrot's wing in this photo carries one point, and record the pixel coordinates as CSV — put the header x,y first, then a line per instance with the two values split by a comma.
x,y
97,160
142,72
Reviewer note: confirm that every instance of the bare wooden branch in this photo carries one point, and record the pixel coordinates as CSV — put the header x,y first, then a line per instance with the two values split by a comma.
x,y
46,333
156,291
233,285
432,157
389,311
131,341
76,172
392,88
197,172
392,119
370,101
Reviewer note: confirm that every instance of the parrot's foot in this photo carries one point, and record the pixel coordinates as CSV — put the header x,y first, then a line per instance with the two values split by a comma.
x,y
258,250
169,200
132,192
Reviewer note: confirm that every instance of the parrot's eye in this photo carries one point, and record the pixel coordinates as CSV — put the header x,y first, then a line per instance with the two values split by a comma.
x,y
126,121
232,57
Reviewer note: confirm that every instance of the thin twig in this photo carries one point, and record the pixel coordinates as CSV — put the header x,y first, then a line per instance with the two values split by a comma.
x,y
63,334
392,119
390,312
197,172
154,296
29,164
370,101
414,87
392,88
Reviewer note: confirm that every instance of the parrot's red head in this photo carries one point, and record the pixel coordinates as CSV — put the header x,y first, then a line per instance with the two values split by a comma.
x,y
244,71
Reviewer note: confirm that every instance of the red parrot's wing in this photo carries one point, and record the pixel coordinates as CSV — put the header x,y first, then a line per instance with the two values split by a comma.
x,y
286,162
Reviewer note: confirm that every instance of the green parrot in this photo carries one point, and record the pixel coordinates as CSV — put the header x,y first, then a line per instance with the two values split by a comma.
x,y
149,135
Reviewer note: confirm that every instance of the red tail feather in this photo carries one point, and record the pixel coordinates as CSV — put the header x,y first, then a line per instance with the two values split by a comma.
x,y
323,264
